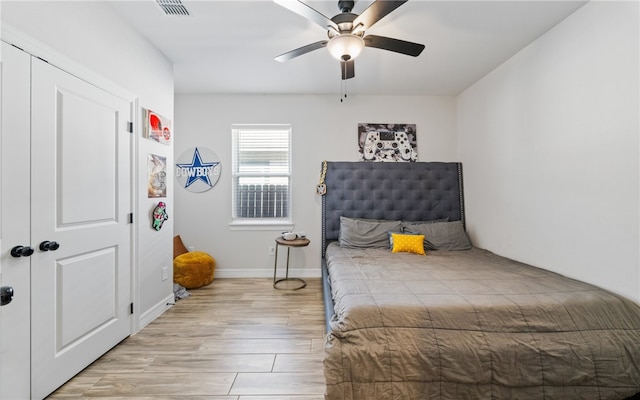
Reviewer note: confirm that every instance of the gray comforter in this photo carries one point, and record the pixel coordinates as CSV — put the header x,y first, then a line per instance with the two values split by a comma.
x,y
473,325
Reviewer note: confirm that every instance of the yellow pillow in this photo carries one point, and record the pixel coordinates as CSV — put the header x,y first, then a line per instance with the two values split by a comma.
x,y
408,243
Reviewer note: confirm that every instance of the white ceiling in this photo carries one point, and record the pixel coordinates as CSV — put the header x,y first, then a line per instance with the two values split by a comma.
x,y
229,46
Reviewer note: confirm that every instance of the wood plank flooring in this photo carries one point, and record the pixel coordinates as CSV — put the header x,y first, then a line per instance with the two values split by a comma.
x,y
236,339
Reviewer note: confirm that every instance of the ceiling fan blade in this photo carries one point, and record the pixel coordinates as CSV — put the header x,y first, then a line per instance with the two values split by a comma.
x,y
397,45
348,69
376,11
301,50
307,12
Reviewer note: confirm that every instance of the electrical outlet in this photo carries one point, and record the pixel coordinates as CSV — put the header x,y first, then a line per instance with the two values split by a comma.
x,y
272,250
165,273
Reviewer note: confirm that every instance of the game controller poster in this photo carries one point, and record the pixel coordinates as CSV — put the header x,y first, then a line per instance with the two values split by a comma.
x,y
388,142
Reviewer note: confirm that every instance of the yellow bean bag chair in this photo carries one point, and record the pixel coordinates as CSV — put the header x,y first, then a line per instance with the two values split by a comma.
x,y
193,269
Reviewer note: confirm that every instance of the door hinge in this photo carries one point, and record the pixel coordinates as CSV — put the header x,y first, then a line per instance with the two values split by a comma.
x,y
130,216
130,127
131,308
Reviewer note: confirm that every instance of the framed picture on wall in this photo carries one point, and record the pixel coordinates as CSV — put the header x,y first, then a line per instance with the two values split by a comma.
x,y
156,127
387,142
156,176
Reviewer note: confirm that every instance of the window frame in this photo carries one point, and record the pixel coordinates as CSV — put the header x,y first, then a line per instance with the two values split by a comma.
x,y
259,223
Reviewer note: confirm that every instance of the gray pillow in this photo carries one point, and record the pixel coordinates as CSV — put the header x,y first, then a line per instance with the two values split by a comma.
x,y
441,235
362,233
433,221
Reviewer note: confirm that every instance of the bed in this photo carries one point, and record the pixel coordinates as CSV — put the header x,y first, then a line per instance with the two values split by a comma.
x,y
459,322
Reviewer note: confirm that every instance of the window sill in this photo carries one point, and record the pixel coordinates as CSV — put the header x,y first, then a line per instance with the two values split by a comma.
x,y
261,225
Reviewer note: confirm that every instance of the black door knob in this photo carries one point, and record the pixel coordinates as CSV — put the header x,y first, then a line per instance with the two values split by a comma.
x,y
6,295
47,245
21,251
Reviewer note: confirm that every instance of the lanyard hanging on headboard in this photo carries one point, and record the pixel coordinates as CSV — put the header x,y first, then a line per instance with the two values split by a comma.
x,y
321,189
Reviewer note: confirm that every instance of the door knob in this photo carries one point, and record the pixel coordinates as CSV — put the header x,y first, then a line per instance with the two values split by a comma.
x,y
21,251
47,245
6,295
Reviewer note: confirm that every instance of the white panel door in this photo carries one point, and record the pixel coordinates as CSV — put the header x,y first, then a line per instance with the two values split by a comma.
x,y
80,188
15,222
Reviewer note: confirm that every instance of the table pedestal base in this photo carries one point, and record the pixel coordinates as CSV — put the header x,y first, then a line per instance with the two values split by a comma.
x,y
295,283
286,282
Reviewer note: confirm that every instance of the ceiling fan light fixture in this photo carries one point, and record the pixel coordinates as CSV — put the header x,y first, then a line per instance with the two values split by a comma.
x,y
345,46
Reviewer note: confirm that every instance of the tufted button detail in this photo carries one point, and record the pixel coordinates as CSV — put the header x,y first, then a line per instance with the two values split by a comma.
x,y
395,191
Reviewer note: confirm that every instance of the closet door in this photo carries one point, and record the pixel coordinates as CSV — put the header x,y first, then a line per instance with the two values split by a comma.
x,y
15,222
80,191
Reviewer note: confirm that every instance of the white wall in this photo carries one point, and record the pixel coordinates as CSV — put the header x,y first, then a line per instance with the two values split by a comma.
x,y
90,40
549,142
323,129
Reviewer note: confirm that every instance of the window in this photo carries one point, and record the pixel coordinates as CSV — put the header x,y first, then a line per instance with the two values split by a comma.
x,y
261,176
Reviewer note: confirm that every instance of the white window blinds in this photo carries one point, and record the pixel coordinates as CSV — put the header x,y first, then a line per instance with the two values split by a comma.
x,y
261,184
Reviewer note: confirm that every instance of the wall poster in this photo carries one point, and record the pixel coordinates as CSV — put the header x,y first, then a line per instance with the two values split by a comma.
x,y
198,169
387,142
156,176
156,127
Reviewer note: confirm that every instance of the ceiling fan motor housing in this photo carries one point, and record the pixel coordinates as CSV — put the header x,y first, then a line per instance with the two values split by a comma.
x,y
346,32
345,6
345,24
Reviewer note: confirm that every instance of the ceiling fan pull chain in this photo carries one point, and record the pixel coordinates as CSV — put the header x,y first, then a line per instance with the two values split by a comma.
x,y
341,89
343,84
345,81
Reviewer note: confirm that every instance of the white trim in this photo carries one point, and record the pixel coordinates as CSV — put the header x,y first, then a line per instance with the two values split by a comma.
x,y
154,312
261,225
135,292
254,223
294,272
14,36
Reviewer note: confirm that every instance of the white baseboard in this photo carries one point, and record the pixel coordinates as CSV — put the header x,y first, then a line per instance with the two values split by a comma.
x,y
266,273
154,312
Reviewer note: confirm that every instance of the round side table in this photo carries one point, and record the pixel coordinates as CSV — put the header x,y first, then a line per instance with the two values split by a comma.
x,y
280,241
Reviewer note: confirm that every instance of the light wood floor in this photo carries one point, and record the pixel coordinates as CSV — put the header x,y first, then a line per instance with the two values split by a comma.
x,y
236,339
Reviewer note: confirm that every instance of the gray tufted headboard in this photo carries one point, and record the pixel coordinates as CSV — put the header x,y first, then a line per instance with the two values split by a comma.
x,y
411,191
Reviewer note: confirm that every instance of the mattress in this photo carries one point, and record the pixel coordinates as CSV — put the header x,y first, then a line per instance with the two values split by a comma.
x,y
473,325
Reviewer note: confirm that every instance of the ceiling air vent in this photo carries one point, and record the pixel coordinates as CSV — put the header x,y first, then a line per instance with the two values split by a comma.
x,y
173,7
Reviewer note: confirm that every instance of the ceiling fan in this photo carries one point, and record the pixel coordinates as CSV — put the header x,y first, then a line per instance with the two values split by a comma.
x,y
345,31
